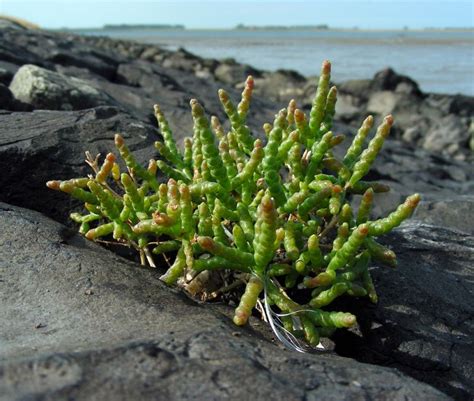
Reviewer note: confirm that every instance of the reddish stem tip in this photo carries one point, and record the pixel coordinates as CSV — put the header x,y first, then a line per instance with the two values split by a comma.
x,y
206,242
363,229
267,204
350,320
110,157
250,82
326,67
413,200
184,189
241,317
336,189
369,195
118,140
299,115
223,96
53,185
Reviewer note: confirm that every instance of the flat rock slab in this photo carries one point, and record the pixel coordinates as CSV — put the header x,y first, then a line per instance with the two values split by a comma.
x,y
44,145
81,323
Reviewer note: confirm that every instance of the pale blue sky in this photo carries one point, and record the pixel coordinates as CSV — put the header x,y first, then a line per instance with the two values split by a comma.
x,y
375,14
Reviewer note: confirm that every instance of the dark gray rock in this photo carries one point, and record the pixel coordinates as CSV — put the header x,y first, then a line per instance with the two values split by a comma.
x,y
17,56
90,59
78,322
438,141
48,49
150,77
424,322
388,79
21,46
6,97
459,104
422,123
181,60
232,73
356,87
439,123
281,85
8,102
455,213
384,102
141,84
7,70
44,145
79,72
348,108
45,89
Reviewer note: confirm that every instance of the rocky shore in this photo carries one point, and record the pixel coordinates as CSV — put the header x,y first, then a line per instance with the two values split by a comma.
x,y
79,322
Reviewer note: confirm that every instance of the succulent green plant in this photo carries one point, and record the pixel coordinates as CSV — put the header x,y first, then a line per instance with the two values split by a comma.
x,y
278,216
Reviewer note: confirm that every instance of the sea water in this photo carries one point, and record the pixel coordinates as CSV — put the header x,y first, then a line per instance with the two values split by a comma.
x,y
441,61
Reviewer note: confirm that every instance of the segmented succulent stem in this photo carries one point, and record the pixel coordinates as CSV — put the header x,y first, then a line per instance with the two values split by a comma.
x,y
248,301
319,103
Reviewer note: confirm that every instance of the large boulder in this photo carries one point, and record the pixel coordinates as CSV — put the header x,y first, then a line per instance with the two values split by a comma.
x,y
78,322
45,89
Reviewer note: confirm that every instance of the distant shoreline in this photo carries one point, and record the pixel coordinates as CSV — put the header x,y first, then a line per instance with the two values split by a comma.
x,y
258,29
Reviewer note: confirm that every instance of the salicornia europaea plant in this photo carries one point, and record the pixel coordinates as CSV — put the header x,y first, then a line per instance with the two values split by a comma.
x,y
279,216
